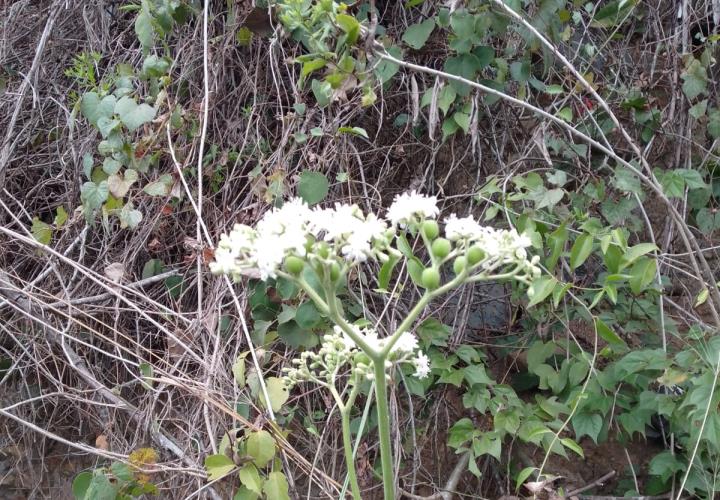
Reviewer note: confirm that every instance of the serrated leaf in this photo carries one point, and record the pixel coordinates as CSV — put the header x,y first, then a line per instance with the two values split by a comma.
x,y
260,445
41,231
218,466
417,35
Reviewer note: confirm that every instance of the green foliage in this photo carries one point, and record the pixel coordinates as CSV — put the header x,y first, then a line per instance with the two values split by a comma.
x,y
120,481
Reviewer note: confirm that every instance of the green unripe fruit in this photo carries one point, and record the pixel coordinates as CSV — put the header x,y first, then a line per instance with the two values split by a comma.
x,y
334,271
430,278
459,265
430,229
294,265
323,250
441,248
475,255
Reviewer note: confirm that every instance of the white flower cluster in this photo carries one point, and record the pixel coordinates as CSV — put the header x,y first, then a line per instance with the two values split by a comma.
x,y
344,232
412,207
338,349
294,229
499,246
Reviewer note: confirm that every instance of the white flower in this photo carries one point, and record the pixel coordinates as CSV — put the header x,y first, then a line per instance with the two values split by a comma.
x,y
407,206
407,343
225,262
456,228
422,365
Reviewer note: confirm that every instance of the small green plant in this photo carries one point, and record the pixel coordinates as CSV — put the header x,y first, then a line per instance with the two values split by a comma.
x,y
120,481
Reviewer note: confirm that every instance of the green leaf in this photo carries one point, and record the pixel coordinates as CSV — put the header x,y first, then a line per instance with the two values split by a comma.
x,y
354,131
295,336
665,465
520,71
464,65
154,66
107,126
80,485
277,392
463,120
61,216
557,240
538,353
673,184
635,252
523,476
129,216
607,334
111,166
313,187
350,26
565,114
587,424
93,108
385,70
175,286
540,289
307,316
218,466
417,34
276,486
153,267
133,115
100,488
581,250
238,370
699,109
693,179
386,272
572,445
461,432
94,195
41,231
243,493
250,478
160,187
695,79
260,446
487,444
713,126
144,30
642,274
476,374
322,92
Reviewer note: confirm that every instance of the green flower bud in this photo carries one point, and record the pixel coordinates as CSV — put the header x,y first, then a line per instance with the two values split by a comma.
x,y
322,249
459,265
430,278
294,265
441,248
430,229
475,254
334,271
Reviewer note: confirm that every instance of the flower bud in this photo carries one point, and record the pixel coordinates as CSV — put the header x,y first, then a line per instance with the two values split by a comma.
x,y
334,271
430,229
441,248
294,265
430,278
459,265
322,249
475,254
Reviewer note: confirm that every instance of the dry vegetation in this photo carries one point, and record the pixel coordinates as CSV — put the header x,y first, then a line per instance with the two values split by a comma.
x,y
79,323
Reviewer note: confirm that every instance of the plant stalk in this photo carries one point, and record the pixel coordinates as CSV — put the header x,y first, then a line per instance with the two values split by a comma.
x,y
348,449
384,428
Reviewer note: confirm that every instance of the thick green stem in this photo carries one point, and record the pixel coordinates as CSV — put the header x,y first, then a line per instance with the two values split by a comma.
x,y
348,449
384,428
